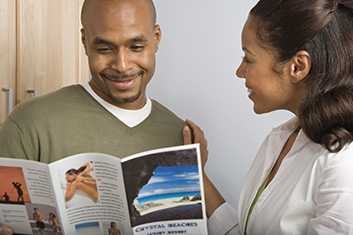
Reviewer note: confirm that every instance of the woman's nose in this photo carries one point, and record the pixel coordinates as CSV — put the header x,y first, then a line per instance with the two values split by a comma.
x,y
239,72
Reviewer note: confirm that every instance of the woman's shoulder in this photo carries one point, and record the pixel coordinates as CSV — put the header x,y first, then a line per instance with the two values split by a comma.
x,y
344,156
336,168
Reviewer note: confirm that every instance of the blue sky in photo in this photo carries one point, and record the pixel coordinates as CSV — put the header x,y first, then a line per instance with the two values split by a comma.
x,y
171,180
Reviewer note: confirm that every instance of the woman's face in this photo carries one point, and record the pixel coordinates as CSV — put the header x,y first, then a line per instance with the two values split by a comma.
x,y
266,80
70,177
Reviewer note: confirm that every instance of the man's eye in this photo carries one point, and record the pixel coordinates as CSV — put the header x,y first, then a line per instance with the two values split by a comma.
x,y
137,48
104,49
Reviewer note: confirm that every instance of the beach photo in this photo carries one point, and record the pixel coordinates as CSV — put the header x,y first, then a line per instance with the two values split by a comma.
x,y
44,219
13,188
172,193
167,187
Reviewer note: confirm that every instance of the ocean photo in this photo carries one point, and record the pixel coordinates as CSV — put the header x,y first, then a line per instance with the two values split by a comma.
x,y
172,193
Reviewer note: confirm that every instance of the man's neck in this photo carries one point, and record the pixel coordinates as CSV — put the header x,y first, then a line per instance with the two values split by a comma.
x,y
137,104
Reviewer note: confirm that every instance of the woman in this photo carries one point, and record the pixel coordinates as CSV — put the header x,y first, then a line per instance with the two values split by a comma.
x,y
81,180
298,57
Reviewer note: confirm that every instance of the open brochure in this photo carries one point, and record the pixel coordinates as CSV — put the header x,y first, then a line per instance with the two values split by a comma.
x,y
157,192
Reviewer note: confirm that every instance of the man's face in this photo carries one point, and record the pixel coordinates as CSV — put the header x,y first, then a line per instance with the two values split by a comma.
x,y
121,41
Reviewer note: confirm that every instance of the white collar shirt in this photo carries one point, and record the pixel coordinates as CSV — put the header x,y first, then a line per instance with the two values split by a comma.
x,y
312,192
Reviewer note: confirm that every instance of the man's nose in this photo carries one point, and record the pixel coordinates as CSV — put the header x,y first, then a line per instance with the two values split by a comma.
x,y
121,62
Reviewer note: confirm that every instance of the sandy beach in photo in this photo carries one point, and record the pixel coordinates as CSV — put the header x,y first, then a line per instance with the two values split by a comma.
x,y
167,204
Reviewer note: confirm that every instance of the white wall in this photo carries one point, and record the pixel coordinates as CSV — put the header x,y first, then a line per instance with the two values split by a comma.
x,y
199,52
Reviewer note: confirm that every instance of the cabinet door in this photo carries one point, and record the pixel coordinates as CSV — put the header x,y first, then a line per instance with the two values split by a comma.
x,y
49,47
84,73
7,56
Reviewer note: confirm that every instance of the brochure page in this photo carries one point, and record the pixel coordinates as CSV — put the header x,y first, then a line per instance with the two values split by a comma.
x,y
27,201
90,194
165,192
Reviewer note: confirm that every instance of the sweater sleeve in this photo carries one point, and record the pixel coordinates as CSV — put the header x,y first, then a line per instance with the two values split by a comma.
x,y
12,141
223,221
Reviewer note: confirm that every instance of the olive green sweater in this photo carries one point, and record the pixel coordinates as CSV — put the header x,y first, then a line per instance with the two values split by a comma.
x,y
70,121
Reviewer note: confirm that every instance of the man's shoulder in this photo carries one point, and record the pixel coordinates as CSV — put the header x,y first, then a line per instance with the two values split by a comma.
x,y
165,113
49,104
69,93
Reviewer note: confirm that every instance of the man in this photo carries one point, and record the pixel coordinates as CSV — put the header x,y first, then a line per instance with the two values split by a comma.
x,y
113,230
38,218
5,197
19,191
111,114
5,229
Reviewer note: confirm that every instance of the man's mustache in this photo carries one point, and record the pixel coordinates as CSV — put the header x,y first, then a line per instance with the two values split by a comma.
x,y
117,76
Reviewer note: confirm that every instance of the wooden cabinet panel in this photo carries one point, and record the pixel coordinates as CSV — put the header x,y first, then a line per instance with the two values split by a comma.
x,y
84,73
7,55
49,54
40,49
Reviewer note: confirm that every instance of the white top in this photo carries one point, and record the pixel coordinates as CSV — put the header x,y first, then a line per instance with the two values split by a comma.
x,y
131,118
312,192
79,199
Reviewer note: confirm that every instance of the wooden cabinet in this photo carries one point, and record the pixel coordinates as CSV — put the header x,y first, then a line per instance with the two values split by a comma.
x,y
7,56
42,45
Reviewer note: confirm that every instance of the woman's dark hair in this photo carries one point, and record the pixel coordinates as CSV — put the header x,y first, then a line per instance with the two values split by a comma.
x,y
72,171
81,169
323,28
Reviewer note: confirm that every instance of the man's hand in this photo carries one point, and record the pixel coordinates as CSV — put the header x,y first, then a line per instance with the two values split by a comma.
x,y
5,229
193,134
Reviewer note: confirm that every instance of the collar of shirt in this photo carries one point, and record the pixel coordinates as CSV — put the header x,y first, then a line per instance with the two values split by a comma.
x,y
286,129
131,118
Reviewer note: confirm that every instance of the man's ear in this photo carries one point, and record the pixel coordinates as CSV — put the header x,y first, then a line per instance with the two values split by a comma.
x,y
299,66
83,39
157,35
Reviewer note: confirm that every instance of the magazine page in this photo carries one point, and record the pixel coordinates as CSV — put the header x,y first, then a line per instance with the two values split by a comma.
x,y
90,194
165,192
27,201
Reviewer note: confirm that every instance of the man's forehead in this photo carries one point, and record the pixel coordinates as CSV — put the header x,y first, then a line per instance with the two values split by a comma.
x,y
115,9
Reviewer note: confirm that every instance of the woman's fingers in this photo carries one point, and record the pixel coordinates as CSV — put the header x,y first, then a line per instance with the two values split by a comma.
x,y
194,134
187,135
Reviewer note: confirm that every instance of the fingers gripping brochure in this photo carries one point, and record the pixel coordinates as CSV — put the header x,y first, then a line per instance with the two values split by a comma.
x,y
157,192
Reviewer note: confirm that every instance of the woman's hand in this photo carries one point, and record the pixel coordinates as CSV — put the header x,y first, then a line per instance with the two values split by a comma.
x,y
193,134
70,190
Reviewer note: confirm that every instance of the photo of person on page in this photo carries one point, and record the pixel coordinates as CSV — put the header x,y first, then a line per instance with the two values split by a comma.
x,y
80,183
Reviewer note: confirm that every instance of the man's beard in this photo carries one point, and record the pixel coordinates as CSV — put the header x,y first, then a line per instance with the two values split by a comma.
x,y
119,100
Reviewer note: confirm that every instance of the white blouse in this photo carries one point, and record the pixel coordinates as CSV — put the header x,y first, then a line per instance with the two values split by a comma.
x,y
312,192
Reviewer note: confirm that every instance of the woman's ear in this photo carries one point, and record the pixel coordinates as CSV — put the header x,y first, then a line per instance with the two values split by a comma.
x,y
299,66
